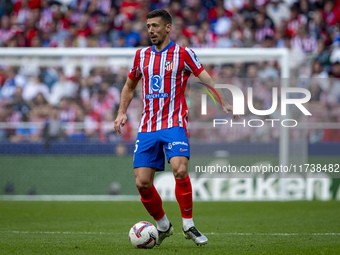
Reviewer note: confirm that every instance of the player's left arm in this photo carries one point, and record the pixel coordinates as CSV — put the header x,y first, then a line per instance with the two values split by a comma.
x,y
206,79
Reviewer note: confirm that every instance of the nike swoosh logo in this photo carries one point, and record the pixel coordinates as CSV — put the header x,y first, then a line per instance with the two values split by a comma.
x,y
183,149
145,67
187,210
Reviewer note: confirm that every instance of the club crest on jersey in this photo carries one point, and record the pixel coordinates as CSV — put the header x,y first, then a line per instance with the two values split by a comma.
x,y
169,65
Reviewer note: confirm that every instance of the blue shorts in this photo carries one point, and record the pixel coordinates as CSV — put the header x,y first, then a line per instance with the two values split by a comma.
x,y
150,147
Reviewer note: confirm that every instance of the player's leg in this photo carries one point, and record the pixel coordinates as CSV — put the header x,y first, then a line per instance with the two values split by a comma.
x,y
183,192
177,151
149,195
152,201
149,157
183,189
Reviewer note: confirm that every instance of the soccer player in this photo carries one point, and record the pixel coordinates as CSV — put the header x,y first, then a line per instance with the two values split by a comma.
x,y
164,69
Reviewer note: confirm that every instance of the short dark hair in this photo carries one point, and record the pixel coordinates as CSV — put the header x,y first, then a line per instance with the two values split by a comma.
x,y
160,13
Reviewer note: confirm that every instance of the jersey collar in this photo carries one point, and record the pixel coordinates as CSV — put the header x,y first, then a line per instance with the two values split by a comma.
x,y
166,48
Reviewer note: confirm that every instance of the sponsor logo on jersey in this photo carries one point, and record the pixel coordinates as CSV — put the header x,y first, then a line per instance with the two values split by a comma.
x,y
169,146
169,65
156,83
180,143
157,95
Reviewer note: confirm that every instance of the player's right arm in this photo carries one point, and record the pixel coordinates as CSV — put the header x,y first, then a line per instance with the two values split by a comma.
x,y
125,100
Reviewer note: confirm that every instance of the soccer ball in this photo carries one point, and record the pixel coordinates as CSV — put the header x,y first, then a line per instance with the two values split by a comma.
x,y
143,235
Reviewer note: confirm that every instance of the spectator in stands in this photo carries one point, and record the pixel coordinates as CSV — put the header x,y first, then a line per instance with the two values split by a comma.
x,y
249,12
317,25
178,28
99,35
105,100
267,20
199,40
130,36
333,95
331,13
22,11
6,7
190,19
34,87
40,108
263,28
10,117
47,40
19,104
26,131
6,32
92,121
52,130
336,69
268,42
304,41
74,131
31,31
223,23
8,89
71,40
83,30
296,54
315,91
46,16
49,76
83,92
306,8
319,75
62,88
77,76
278,11
295,21
67,112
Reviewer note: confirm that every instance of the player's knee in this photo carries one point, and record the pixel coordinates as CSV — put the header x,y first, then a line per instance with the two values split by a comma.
x,y
143,184
181,172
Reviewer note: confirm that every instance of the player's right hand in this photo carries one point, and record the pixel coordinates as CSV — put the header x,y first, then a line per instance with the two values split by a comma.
x,y
120,121
227,108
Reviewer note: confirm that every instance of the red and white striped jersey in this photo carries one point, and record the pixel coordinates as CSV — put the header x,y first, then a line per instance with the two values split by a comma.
x,y
307,44
165,76
261,33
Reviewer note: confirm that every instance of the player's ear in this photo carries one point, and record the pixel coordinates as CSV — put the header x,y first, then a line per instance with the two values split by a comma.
x,y
168,27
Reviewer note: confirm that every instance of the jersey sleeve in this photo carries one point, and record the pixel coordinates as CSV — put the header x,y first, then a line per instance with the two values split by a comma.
x,y
192,62
135,74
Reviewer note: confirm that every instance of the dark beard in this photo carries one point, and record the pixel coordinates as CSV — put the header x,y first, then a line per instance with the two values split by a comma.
x,y
157,43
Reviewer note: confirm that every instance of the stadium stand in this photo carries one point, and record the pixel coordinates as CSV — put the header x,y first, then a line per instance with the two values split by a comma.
x,y
310,29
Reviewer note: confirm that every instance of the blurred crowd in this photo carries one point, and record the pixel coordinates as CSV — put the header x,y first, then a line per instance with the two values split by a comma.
x,y
197,23
56,101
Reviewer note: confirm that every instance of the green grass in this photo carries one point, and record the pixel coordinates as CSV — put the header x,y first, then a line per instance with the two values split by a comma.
x,y
102,227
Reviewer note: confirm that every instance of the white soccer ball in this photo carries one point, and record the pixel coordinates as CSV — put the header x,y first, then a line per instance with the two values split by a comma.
x,y
143,235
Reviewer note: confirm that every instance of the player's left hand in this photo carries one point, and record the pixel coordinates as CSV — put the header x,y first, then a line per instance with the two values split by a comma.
x,y
228,108
120,122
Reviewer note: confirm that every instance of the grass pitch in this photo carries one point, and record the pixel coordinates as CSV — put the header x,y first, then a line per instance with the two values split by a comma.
x,y
232,228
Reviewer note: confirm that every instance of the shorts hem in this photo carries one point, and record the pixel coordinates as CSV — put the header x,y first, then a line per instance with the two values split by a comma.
x,y
158,169
188,157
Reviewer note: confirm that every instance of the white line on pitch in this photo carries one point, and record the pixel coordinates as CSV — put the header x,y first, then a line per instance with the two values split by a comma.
x,y
212,233
57,232
275,234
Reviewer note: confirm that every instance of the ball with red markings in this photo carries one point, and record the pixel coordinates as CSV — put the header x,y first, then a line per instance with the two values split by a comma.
x,y
143,235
